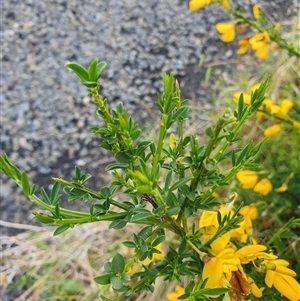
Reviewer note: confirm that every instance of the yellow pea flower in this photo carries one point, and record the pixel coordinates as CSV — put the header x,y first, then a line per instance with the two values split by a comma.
x,y
282,278
249,253
285,106
225,262
247,178
260,43
296,124
282,188
173,296
225,4
172,141
198,4
256,11
257,292
243,46
263,187
272,130
227,31
277,26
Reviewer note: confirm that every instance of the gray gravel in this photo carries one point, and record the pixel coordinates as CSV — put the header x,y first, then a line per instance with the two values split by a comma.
x,y
45,113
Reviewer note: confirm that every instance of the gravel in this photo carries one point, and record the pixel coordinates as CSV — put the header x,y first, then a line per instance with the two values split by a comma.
x,y
45,111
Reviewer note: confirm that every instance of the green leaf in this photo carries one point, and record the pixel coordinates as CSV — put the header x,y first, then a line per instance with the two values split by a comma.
x,y
122,157
243,154
117,224
210,132
173,211
45,196
129,244
117,264
180,183
240,106
100,68
104,279
43,218
116,283
54,196
25,183
113,166
93,71
61,229
78,70
140,216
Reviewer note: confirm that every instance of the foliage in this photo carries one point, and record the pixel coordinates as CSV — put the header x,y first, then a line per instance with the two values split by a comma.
x,y
195,218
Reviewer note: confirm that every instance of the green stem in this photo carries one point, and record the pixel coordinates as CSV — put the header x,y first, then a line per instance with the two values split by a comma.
x,y
101,104
160,144
34,199
94,194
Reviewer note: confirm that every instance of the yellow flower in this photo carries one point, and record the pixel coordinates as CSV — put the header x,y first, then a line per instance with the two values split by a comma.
x,y
172,141
277,26
249,212
247,178
286,105
227,31
257,292
263,187
173,296
243,46
256,11
272,130
260,43
198,4
155,256
225,4
296,124
281,277
225,262
251,252
282,188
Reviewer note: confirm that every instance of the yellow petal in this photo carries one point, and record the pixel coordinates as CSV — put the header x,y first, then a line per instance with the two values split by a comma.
x,y
269,278
227,30
257,292
277,26
296,124
256,11
244,45
286,105
213,270
172,141
283,287
250,250
225,4
262,52
247,178
272,130
197,4
173,296
208,218
263,187
249,210
282,188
